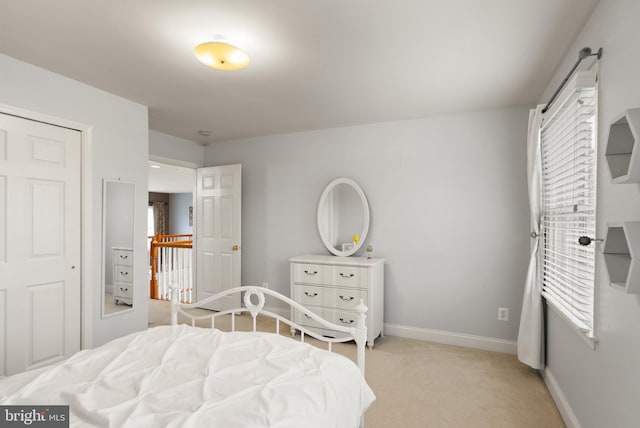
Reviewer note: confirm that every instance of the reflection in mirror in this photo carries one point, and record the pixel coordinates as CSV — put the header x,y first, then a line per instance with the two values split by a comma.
x,y
117,227
343,217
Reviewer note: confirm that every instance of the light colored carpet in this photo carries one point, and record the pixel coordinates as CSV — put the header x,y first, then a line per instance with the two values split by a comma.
x,y
422,384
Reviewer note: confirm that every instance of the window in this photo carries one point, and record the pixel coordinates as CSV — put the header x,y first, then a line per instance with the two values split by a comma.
x,y
568,147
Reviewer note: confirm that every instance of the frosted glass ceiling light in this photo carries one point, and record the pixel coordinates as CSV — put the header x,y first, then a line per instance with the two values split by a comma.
x,y
221,55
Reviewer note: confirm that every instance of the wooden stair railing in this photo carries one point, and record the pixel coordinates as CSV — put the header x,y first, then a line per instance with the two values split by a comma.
x,y
164,241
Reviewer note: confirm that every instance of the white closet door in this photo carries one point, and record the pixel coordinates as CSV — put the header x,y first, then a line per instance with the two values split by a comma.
x,y
218,233
39,243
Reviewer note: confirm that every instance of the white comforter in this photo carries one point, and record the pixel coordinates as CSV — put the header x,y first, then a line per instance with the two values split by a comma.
x,y
192,377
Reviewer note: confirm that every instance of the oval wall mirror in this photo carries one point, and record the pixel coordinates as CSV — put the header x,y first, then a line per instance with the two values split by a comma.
x,y
343,217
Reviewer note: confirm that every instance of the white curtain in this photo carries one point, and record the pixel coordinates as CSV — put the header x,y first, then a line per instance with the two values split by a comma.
x,y
531,321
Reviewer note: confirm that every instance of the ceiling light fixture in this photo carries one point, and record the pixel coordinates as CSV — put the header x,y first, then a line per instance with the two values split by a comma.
x,y
221,55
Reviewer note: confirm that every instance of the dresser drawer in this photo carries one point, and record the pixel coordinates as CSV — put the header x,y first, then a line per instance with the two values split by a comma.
x,y
123,291
311,274
341,318
311,295
345,298
122,274
306,320
123,257
349,276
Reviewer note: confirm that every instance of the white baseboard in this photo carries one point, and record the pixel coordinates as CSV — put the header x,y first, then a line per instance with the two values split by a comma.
x,y
570,419
456,339
444,337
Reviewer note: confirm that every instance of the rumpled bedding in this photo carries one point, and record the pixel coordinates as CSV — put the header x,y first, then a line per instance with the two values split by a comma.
x,y
182,376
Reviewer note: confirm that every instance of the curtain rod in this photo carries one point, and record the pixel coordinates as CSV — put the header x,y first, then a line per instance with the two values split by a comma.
x,y
583,54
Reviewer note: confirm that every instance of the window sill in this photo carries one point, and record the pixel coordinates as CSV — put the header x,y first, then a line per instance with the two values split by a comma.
x,y
587,338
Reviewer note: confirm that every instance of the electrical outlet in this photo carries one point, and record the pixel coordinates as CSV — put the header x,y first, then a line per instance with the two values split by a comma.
x,y
265,284
503,314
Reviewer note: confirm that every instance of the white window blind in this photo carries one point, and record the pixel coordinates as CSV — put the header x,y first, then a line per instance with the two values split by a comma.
x,y
568,146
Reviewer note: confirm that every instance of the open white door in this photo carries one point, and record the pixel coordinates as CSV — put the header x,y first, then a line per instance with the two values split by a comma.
x,y
217,234
40,187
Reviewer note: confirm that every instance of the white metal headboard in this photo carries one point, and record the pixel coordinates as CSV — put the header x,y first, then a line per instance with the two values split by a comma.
x,y
357,333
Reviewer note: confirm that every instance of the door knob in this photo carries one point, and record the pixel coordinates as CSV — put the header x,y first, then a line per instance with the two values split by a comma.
x,y
235,248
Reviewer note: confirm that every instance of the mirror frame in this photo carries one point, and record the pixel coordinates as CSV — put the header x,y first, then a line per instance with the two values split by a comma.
x,y
365,207
103,288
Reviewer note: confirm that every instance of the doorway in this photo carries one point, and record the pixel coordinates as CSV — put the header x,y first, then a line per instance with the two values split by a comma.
x,y
216,217
170,233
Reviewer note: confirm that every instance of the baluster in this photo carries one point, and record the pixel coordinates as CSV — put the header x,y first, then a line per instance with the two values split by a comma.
x,y
170,280
190,274
181,271
160,274
170,266
163,268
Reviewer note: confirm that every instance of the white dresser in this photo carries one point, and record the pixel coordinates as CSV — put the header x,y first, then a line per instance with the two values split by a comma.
x,y
332,288
122,275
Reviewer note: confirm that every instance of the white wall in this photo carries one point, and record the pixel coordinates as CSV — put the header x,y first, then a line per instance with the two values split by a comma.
x,y
179,204
164,147
602,387
448,204
119,149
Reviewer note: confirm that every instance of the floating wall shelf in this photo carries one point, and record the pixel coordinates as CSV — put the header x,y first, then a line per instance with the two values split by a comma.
x,y
622,255
623,149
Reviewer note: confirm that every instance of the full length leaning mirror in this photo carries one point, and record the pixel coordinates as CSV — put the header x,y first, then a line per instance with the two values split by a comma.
x,y
343,217
118,199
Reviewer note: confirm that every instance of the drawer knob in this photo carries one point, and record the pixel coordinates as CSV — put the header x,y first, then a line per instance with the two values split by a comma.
x,y
347,275
343,321
124,289
311,272
124,273
308,316
346,299
306,293
123,257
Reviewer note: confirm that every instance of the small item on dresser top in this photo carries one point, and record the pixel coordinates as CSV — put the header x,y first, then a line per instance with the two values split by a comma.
x,y
369,250
348,246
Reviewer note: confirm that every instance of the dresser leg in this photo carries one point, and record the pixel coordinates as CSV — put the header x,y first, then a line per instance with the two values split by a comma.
x,y
293,331
370,344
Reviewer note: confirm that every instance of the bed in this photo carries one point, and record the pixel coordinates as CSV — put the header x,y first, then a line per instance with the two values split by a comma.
x,y
185,376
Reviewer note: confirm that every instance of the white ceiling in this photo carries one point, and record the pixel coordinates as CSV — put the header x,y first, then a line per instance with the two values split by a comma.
x,y
314,63
165,178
